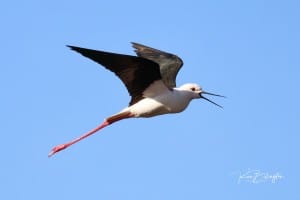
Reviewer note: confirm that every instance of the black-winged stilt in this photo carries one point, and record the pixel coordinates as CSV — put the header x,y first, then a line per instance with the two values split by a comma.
x,y
150,78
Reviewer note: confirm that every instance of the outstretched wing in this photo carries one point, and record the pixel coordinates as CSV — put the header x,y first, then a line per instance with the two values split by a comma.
x,y
135,72
169,64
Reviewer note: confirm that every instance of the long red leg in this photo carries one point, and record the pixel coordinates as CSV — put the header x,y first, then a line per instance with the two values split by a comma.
x,y
106,122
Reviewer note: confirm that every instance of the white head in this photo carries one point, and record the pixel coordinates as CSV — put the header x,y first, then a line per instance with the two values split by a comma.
x,y
195,92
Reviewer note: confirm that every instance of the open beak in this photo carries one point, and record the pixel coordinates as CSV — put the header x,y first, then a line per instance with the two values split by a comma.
x,y
203,92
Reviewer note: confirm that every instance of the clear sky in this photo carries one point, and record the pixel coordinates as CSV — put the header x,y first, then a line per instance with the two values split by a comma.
x,y
245,50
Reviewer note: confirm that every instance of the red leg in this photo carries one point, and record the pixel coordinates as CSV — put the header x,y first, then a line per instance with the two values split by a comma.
x,y
106,122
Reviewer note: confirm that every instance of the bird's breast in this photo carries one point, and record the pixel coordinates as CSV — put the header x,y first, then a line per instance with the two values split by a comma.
x,y
163,104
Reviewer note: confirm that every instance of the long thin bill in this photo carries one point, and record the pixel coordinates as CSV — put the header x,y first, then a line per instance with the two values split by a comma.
x,y
203,92
210,101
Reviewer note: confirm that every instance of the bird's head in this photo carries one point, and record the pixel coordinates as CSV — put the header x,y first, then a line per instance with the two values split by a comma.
x,y
196,92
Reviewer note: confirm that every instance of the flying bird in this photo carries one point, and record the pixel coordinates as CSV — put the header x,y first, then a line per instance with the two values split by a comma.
x,y
150,78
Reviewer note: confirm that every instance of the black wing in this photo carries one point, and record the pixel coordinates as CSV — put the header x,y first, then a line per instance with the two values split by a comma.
x,y
169,64
135,72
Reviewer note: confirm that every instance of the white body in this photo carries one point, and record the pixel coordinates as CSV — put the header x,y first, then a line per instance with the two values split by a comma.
x,y
161,100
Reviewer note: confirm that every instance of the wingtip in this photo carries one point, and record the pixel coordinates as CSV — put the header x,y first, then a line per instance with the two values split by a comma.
x,y
71,47
134,44
137,45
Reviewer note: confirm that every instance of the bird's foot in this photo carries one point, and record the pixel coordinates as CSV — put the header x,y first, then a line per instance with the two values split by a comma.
x,y
57,149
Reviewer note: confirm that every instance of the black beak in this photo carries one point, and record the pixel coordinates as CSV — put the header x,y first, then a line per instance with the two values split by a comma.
x,y
203,92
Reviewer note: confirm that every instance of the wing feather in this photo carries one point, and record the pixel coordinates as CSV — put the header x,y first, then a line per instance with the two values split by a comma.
x,y
169,64
136,73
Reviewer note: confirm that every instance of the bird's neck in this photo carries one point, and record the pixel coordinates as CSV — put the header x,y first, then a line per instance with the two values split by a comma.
x,y
182,94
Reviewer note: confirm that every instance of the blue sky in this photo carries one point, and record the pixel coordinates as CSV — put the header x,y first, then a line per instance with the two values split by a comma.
x,y
245,50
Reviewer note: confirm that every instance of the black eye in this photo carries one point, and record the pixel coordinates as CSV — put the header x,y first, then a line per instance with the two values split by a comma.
x,y
193,89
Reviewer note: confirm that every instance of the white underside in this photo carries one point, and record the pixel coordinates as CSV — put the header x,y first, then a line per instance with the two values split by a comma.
x,y
160,100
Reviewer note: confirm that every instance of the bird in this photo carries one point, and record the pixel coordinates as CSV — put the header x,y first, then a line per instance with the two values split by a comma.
x,y
150,78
